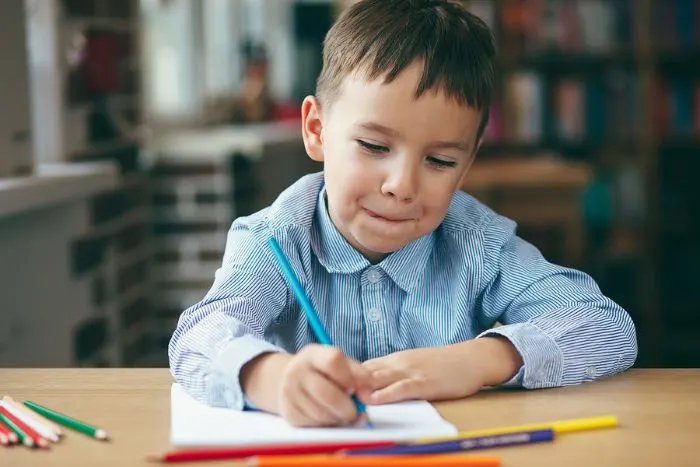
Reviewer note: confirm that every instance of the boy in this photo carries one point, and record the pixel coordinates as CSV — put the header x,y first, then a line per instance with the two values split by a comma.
x,y
407,273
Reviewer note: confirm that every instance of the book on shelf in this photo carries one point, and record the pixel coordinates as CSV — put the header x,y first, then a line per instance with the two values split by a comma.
x,y
676,106
569,109
571,26
675,24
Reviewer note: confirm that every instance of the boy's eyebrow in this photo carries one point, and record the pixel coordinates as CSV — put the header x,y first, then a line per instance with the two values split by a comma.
x,y
373,126
464,147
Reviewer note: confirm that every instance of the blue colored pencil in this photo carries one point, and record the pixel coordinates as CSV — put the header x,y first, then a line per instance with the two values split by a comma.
x,y
459,445
308,308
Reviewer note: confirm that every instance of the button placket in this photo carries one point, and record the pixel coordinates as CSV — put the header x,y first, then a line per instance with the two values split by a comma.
x,y
374,276
372,304
374,314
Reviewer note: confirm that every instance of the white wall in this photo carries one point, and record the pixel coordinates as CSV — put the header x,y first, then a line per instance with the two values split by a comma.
x,y
46,80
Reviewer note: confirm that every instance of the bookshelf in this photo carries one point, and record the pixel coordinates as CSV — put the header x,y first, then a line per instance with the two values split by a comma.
x,y
615,84
674,107
100,67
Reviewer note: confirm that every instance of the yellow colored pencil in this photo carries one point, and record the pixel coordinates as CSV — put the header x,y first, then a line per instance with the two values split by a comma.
x,y
561,426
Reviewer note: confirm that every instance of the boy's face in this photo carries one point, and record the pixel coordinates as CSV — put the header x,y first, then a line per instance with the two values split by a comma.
x,y
392,162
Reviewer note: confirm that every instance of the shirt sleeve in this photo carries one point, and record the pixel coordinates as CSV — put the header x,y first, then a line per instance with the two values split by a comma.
x,y
565,329
216,337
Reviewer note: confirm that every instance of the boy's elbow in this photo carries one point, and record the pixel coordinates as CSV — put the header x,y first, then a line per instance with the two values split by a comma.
x,y
627,341
174,357
176,353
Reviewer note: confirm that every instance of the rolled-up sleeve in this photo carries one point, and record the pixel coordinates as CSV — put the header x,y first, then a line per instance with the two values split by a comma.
x,y
216,337
566,330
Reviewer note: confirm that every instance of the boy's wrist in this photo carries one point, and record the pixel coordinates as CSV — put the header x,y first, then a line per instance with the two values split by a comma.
x,y
499,360
260,379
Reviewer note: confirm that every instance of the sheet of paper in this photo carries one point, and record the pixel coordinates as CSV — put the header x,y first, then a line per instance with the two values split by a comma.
x,y
194,424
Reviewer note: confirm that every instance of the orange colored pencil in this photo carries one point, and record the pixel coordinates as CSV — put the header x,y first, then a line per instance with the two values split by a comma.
x,y
30,413
374,461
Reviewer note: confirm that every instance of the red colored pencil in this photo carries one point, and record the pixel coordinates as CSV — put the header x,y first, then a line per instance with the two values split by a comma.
x,y
36,437
8,434
275,450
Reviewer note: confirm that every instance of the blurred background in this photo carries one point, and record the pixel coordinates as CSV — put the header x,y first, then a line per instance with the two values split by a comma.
x,y
133,132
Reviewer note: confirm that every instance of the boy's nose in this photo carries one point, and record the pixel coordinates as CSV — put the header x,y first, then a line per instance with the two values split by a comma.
x,y
401,184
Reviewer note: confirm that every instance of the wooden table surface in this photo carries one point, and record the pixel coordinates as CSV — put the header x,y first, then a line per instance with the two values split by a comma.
x,y
659,412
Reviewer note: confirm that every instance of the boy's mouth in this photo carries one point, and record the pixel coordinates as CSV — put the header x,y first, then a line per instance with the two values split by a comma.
x,y
385,217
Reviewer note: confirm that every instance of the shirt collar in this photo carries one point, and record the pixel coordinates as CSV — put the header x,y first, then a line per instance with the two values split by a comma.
x,y
404,266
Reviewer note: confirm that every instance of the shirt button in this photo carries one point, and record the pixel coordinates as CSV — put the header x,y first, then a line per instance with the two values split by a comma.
x,y
374,314
374,276
591,371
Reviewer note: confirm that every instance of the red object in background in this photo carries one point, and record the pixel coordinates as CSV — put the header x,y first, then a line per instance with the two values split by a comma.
x,y
101,65
285,112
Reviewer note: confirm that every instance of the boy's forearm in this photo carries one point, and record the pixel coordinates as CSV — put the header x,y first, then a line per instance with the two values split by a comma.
x,y
260,379
495,358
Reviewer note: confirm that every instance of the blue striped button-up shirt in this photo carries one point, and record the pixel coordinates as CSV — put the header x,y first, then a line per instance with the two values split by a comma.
x,y
446,287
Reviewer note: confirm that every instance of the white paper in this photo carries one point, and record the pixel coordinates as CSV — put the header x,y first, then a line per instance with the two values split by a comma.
x,y
194,424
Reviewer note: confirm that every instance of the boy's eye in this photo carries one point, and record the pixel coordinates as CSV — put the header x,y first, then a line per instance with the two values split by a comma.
x,y
441,163
372,147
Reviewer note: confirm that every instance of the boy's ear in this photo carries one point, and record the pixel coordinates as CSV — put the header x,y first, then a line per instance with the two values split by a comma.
x,y
312,127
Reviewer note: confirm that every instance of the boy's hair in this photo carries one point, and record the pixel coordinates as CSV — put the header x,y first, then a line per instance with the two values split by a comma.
x,y
383,37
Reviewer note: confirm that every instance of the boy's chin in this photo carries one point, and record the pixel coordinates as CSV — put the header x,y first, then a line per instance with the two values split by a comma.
x,y
385,247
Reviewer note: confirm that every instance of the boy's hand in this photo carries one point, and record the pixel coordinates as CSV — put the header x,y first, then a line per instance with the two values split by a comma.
x,y
440,373
313,387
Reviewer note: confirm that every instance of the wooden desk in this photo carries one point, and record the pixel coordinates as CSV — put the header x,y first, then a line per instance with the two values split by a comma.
x,y
659,411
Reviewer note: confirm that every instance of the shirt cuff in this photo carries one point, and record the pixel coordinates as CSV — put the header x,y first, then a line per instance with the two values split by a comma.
x,y
516,381
229,362
248,406
543,365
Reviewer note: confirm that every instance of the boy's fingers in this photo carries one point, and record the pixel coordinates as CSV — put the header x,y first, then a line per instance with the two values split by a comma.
x,y
374,364
337,407
364,379
384,377
405,389
331,362
314,411
294,413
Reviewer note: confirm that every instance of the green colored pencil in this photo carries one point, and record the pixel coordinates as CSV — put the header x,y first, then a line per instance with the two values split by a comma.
x,y
21,435
68,422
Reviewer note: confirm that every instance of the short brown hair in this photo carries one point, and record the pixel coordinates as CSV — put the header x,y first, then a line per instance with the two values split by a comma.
x,y
383,37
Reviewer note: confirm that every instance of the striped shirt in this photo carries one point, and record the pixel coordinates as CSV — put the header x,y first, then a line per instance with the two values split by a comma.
x,y
446,287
